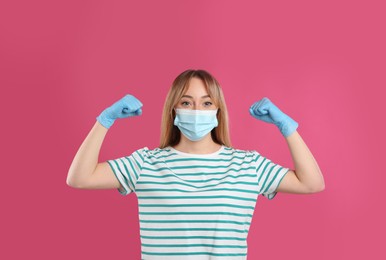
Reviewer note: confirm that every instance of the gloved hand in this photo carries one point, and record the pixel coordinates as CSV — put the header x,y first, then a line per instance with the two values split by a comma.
x,y
125,107
266,111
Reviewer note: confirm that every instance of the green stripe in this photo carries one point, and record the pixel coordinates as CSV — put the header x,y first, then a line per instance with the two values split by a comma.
x,y
257,157
200,173
263,171
196,229
122,174
162,156
136,161
158,151
258,168
191,253
196,187
193,245
213,179
232,151
267,177
133,170
203,173
139,154
179,190
202,159
195,205
195,213
194,237
210,159
273,179
116,175
196,221
195,167
126,173
195,197
274,193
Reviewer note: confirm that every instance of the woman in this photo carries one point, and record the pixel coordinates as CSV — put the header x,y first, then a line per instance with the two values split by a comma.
x,y
196,194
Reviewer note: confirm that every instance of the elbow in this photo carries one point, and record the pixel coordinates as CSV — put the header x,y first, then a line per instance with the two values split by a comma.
x,y
75,185
70,181
317,185
317,188
76,180
323,186
320,188
70,178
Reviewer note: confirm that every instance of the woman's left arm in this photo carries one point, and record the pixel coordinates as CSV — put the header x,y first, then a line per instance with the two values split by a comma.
x,y
307,177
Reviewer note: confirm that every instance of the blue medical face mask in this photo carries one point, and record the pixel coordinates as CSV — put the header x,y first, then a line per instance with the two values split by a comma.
x,y
195,124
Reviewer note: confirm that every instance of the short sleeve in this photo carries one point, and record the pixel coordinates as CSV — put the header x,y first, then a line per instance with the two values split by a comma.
x,y
127,169
269,175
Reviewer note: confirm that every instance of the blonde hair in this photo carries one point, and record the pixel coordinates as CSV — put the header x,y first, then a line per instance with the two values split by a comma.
x,y
170,134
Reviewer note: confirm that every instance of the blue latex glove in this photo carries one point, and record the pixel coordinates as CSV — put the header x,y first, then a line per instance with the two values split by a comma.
x,y
266,111
125,107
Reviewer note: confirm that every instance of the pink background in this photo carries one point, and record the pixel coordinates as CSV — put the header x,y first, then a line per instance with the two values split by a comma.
x,y
63,62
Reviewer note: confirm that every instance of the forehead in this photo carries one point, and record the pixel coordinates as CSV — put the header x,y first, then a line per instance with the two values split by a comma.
x,y
196,88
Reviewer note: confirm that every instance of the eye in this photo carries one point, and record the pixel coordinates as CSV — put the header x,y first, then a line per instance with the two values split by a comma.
x,y
185,103
208,103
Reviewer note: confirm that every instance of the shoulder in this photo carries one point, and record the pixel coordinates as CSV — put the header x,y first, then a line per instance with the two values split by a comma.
x,y
235,152
153,154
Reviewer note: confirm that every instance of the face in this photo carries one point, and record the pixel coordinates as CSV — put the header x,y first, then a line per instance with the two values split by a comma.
x,y
196,97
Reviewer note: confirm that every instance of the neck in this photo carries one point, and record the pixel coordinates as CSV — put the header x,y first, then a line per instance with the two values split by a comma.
x,y
204,146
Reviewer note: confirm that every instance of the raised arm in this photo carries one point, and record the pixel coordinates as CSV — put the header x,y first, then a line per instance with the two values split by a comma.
x,y
86,159
307,177
85,172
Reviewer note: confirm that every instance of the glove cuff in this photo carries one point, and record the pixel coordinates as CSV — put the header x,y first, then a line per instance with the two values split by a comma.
x,y
288,126
105,120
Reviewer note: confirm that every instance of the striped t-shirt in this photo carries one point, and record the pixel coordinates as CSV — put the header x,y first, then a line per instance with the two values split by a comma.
x,y
196,206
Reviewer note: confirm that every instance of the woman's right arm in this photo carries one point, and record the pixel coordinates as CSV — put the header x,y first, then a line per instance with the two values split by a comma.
x,y
85,172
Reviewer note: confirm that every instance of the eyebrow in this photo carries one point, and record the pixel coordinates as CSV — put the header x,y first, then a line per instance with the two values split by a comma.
x,y
187,96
